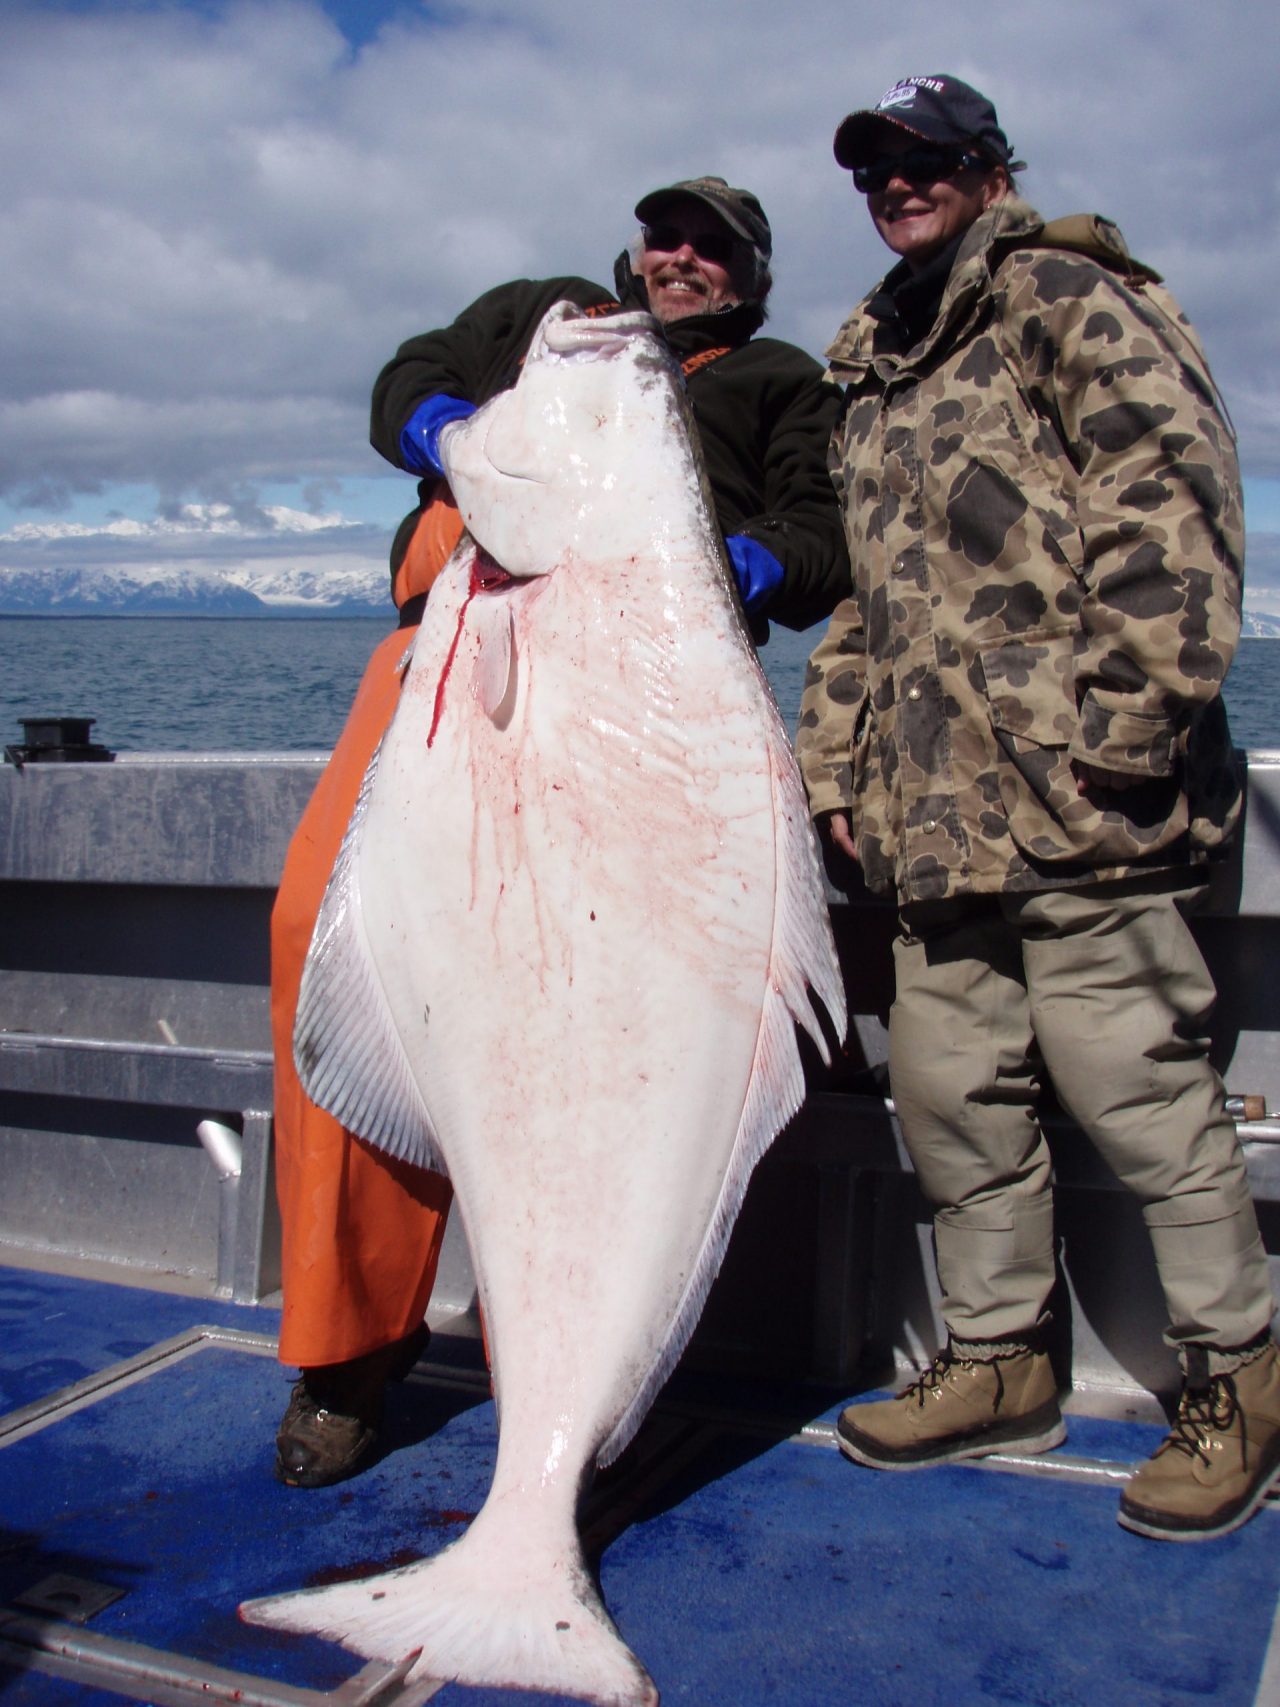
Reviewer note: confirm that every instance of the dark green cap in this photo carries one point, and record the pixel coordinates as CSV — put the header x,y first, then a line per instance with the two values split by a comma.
x,y
738,209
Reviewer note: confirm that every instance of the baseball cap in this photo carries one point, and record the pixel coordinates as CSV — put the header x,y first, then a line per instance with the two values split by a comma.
x,y
941,109
738,209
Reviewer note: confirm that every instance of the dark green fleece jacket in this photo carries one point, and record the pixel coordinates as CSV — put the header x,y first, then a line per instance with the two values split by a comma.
x,y
764,412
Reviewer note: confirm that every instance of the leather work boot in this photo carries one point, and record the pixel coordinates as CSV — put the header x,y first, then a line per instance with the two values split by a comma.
x,y
335,1410
959,1408
1212,1471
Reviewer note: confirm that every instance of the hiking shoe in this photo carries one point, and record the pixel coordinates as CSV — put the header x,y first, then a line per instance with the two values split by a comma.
x,y
959,1408
1214,1468
335,1411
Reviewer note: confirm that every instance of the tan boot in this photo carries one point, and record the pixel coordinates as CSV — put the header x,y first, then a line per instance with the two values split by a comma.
x,y
959,1408
1213,1470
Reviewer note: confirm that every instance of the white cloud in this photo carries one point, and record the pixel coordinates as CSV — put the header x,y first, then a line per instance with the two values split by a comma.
x,y
199,520
186,537
220,221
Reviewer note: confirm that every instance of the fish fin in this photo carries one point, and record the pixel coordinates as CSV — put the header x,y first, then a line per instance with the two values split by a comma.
x,y
803,963
349,1056
495,669
491,1610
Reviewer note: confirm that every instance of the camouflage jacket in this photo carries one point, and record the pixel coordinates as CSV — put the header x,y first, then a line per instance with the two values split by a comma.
x,y
1044,518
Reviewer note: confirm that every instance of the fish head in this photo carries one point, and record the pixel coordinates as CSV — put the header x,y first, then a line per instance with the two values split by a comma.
x,y
580,457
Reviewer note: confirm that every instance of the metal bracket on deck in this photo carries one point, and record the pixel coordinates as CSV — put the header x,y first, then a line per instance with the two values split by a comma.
x,y
60,1649
74,1598
30,1419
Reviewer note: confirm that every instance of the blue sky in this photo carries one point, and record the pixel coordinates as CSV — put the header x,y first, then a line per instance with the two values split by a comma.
x,y
221,218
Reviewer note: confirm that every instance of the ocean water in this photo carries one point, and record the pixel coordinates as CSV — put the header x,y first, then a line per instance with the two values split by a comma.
x,y
184,684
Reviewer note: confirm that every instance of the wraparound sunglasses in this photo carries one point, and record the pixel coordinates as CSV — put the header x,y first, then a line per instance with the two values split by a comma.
x,y
925,165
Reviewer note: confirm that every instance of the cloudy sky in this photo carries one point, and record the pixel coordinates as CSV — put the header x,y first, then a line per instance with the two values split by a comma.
x,y
220,218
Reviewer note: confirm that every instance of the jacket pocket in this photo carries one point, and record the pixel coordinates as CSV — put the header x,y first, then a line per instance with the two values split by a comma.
x,y
860,746
1004,443
1030,688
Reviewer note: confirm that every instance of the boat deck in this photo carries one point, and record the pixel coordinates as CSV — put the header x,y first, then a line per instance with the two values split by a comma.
x,y
743,1559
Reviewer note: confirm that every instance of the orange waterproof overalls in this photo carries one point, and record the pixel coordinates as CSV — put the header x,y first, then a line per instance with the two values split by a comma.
x,y
361,1231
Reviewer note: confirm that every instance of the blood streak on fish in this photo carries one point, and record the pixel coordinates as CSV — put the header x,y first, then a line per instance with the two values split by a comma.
x,y
656,922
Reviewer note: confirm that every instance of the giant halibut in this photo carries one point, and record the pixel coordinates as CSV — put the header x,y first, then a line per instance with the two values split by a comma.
x,y
562,957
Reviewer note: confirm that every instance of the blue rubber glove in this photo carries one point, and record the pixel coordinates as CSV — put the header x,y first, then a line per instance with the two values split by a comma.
x,y
420,435
757,570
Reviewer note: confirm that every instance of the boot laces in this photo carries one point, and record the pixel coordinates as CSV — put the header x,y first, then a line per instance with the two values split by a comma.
x,y
931,1380
1205,1414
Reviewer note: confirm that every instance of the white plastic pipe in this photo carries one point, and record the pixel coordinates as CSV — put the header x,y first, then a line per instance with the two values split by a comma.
x,y
224,1148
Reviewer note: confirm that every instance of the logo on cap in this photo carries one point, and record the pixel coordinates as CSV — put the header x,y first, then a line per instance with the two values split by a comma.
x,y
903,94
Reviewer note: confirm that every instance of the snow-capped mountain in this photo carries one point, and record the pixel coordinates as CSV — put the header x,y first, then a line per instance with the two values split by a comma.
x,y
137,591
200,560
352,588
327,589
273,560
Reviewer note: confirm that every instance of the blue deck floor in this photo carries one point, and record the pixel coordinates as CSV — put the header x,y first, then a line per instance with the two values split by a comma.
x,y
742,1567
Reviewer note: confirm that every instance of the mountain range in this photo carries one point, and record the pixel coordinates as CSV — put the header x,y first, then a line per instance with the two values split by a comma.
x,y
356,590
116,591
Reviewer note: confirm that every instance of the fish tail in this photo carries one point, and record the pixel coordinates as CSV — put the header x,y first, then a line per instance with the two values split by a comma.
x,y
487,1611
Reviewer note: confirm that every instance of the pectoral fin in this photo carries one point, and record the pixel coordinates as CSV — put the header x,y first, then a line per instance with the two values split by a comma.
x,y
495,668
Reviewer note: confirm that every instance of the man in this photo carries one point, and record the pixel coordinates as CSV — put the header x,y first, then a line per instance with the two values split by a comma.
x,y
361,1232
1016,728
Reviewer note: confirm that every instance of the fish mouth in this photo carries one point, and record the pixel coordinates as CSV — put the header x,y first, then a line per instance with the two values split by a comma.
x,y
576,334
487,574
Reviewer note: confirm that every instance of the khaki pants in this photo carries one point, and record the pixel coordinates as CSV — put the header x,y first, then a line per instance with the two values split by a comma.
x,y
1106,988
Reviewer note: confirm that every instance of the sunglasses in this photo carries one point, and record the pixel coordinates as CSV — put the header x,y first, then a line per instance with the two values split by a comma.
x,y
925,165
714,246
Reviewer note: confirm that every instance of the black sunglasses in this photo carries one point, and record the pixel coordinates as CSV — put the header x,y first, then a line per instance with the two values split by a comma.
x,y
927,164
714,246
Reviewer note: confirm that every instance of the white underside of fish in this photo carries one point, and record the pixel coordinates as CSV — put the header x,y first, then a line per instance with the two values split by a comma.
x,y
562,958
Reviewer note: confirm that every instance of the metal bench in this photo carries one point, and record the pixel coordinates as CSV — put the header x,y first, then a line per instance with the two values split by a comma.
x,y
134,1021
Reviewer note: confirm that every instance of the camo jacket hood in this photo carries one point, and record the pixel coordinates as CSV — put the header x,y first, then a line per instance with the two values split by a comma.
x,y
1043,510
